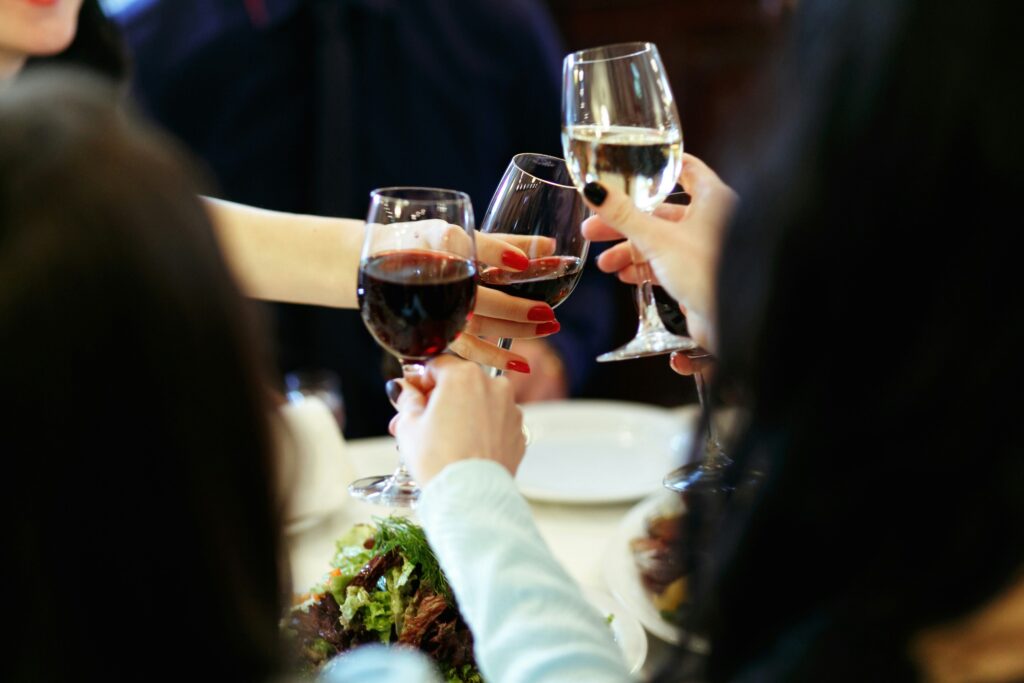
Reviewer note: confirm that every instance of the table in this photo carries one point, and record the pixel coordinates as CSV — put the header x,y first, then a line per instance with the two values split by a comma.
x,y
578,535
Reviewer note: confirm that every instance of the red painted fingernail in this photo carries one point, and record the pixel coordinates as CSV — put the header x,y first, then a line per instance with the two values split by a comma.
x,y
518,366
540,314
513,259
548,328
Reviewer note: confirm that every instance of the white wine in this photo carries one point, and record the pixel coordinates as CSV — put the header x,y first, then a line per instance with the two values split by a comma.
x,y
642,162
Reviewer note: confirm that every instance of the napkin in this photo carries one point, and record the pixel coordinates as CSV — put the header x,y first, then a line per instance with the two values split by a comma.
x,y
314,470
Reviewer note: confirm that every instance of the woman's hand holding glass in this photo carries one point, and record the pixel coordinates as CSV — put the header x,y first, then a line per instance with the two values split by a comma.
x,y
681,243
497,314
435,408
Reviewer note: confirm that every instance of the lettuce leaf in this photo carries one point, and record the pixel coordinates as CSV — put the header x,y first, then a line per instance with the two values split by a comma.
x,y
372,610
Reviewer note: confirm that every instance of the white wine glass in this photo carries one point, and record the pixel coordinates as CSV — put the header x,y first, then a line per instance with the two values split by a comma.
x,y
620,127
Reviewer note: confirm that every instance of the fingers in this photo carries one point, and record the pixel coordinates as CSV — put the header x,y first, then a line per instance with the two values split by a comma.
x,y
709,194
495,327
671,212
695,173
494,304
534,246
410,400
483,352
701,330
681,364
500,253
614,259
596,230
617,210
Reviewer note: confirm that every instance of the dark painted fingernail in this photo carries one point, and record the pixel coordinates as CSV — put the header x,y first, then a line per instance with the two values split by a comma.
x,y
595,193
514,259
540,314
393,389
548,328
518,366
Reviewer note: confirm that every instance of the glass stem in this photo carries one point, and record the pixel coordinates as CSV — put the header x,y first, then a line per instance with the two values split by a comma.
x,y
402,477
715,457
646,307
504,344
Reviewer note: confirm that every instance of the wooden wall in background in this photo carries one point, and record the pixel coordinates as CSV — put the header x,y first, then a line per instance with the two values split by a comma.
x,y
713,51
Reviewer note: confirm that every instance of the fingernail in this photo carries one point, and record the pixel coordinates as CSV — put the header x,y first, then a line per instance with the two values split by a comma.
x,y
548,328
518,366
595,193
393,389
540,314
514,259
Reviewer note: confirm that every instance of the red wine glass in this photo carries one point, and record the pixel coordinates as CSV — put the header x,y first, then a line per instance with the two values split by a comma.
x,y
417,288
538,209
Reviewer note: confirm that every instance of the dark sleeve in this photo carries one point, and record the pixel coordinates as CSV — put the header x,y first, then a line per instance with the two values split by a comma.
x,y
586,316
587,320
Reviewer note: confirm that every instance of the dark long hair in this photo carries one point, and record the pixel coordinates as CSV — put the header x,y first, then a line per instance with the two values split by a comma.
x,y
868,295
140,526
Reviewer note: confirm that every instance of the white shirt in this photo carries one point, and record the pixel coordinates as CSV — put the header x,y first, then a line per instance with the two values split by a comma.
x,y
530,621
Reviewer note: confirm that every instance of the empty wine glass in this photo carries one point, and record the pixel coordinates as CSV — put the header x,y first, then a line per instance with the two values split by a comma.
x,y
538,208
707,472
417,287
620,127
320,383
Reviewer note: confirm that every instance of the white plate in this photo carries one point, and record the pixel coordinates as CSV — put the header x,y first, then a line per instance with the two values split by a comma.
x,y
626,630
600,451
620,570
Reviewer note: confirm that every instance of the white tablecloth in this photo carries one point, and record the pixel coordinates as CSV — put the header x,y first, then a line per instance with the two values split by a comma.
x,y
578,535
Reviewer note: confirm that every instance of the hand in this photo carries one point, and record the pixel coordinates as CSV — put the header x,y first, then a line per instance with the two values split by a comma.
x,y
500,315
456,412
680,242
547,380
682,363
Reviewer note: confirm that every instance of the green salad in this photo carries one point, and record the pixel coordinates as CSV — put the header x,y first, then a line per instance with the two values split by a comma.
x,y
385,586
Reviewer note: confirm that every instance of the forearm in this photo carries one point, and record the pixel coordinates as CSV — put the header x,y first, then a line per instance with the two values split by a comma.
x,y
529,618
288,257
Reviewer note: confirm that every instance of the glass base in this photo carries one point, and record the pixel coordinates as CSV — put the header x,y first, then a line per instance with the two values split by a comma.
x,y
696,476
654,343
385,490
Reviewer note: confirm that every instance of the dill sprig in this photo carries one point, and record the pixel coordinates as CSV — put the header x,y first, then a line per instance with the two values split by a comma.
x,y
408,539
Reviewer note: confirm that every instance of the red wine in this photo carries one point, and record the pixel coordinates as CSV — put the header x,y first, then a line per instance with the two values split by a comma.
x,y
669,312
416,302
550,279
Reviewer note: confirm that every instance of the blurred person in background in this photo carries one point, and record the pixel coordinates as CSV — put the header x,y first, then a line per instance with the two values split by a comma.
x,y
277,256
307,105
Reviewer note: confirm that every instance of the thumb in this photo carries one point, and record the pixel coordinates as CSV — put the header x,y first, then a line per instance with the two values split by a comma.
x,y
617,210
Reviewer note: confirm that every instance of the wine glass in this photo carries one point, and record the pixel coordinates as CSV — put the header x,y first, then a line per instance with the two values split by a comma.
x,y
707,473
417,287
320,383
620,127
537,204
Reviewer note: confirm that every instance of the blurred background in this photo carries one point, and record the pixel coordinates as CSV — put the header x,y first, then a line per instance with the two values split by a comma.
x,y
713,50
306,105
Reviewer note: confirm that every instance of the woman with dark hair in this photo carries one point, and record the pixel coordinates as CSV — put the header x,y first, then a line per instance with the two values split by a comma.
x,y
277,256
862,303
141,529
